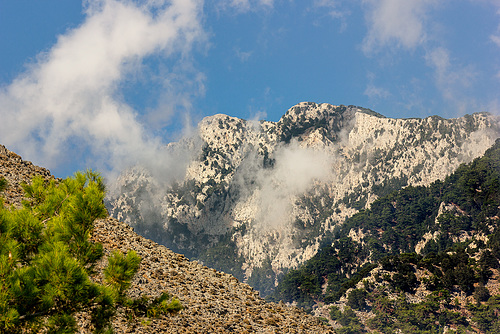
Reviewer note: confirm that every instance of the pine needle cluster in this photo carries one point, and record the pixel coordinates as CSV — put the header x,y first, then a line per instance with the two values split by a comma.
x,y
46,257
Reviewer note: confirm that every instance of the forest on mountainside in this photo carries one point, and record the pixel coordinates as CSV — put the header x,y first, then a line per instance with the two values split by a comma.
x,y
443,239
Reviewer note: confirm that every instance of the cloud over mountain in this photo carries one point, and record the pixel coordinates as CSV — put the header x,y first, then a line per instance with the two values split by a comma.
x,y
69,99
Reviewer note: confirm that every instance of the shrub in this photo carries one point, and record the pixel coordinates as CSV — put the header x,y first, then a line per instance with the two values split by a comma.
x,y
357,299
3,183
481,293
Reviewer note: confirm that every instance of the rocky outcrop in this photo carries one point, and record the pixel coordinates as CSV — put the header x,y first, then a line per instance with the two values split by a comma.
x,y
270,193
214,302
16,171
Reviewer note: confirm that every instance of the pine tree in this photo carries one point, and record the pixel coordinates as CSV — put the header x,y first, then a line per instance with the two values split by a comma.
x,y
46,257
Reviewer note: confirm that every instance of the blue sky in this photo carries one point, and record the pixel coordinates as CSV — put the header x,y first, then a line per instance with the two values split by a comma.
x,y
93,84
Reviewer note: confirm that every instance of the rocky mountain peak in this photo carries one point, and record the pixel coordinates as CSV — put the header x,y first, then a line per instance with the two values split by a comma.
x,y
309,110
270,193
308,117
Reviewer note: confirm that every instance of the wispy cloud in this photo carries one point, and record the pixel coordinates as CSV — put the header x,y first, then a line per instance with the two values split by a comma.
x,y
373,91
333,9
69,100
243,56
394,27
495,37
274,190
452,79
242,6
395,23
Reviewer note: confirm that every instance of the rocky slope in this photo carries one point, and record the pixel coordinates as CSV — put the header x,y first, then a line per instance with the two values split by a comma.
x,y
214,302
270,193
16,171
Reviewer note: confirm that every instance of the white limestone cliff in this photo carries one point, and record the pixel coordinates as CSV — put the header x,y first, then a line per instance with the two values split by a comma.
x,y
272,191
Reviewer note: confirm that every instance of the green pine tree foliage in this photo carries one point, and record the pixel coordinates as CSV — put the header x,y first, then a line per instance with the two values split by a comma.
x,y
46,257
3,184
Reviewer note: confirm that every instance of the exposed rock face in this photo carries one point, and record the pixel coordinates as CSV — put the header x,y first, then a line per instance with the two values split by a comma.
x,y
16,171
261,197
214,302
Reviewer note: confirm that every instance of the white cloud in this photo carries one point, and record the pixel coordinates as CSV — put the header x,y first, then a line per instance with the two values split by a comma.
x,y
180,85
69,99
395,22
373,91
273,190
243,6
452,80
257,116
496,38
326,3
243,56
395,26
332,9
294,173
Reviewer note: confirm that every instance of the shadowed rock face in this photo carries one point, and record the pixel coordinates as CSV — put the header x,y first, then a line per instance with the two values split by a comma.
x,y
214,302
259,198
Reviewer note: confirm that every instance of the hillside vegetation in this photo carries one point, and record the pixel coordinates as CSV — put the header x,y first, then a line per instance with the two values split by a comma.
x,y
418,260
47,258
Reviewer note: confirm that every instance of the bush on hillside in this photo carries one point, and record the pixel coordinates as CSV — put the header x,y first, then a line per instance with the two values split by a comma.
x,y
3,184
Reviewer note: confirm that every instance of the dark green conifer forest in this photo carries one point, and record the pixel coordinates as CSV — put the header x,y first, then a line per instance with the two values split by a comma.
x,y
469,201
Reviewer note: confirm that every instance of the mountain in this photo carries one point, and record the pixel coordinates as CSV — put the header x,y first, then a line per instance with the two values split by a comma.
x,y
418,260
214,302
260,198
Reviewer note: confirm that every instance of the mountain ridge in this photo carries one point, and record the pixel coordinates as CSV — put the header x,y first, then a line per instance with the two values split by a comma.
x,y
270,192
